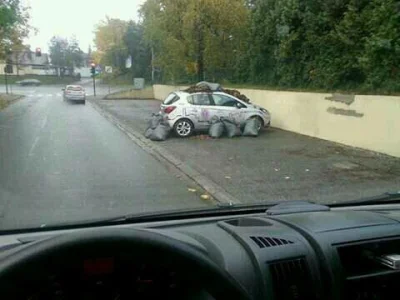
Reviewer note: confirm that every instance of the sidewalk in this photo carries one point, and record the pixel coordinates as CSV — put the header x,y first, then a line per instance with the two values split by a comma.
x,y
276,166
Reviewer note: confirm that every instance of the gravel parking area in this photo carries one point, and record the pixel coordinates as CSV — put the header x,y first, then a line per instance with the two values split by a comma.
x,y
277,166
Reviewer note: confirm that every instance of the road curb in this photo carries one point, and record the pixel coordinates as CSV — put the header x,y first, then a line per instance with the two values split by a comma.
x,y
216,191
6,103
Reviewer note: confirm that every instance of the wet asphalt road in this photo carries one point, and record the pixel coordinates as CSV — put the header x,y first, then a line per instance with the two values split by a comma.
x,y
277,166
63,162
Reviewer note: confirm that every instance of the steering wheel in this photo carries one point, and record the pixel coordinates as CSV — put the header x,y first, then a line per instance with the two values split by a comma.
x,y
192,262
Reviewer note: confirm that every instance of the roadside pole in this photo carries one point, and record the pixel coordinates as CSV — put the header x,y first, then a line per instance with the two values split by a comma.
x,y
108,70
94,85
5,79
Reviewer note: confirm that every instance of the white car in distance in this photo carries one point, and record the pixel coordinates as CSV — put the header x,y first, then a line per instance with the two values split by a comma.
x,y
74,93
187,112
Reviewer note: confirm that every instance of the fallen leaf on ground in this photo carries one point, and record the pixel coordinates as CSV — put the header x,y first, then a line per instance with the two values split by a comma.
x,y
205,197
287,177
276,170
192,190
228,177
307,170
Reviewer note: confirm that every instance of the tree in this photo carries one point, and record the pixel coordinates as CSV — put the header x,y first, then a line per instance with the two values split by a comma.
x,y
14,25
109,41
328,44
138,50
203,37
65,54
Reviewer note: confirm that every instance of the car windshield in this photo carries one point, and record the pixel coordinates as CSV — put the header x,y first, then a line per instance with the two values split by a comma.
x,y
132,107
74,88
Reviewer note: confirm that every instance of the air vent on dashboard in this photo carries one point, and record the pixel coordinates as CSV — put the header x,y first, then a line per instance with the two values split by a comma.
x,y
263,242
291,279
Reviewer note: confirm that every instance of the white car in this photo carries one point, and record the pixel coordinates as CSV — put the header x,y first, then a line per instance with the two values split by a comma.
x,y
75,93
187,112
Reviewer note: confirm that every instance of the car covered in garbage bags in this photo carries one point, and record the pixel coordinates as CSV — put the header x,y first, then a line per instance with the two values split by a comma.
x,y
187,112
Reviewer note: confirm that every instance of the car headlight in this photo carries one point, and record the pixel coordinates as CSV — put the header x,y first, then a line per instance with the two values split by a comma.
x,y
264,110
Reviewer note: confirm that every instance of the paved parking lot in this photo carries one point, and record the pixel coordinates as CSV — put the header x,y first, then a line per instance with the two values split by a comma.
x,y
278,165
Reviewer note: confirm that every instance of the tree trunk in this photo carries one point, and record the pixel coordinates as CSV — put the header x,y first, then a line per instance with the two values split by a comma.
x,y
152,65
200,52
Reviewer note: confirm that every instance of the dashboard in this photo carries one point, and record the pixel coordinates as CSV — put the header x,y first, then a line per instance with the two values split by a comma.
x,y
338,253
107,278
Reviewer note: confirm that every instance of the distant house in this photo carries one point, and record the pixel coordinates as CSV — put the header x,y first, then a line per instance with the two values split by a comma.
x,y
84,70
27,63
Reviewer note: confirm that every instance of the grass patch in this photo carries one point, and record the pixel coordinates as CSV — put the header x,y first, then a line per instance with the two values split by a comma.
x,y
44,79
112,80
146,93
6,99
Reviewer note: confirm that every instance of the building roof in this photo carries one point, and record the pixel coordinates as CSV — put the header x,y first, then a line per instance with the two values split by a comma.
x,y
30,58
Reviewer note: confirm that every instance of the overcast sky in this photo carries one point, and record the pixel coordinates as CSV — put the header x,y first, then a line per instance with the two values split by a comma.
x,y
75,17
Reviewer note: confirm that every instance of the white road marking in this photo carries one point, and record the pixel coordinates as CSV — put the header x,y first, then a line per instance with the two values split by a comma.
x,y
49,95
59,95
44,122
33,146
40,95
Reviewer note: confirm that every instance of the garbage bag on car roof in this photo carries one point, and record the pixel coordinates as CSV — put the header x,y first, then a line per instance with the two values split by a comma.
x,y
216,129
232,129
215,87
251,127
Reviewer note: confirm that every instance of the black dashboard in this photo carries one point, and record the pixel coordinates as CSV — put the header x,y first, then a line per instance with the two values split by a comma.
x,y
322,254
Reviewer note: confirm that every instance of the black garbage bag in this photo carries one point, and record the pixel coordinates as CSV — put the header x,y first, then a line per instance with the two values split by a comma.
x,y
251,127
148,133
160,133
231,128
216,129
155,120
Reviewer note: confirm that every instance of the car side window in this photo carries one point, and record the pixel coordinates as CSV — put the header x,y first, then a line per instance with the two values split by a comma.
x,y
222,100
200,99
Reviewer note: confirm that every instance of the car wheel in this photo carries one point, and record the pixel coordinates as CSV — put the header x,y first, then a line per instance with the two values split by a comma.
x,y
260,121
184,128
83,102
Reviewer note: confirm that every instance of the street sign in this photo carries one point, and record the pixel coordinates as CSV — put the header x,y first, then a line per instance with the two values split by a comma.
x,y
138,83
128,62
108,69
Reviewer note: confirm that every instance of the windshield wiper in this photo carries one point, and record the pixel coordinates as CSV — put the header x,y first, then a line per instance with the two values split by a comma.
x,y
216,211
219,210
385,198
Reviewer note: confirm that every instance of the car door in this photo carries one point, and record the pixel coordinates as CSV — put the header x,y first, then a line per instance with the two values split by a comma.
x,y
202,109
229,108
